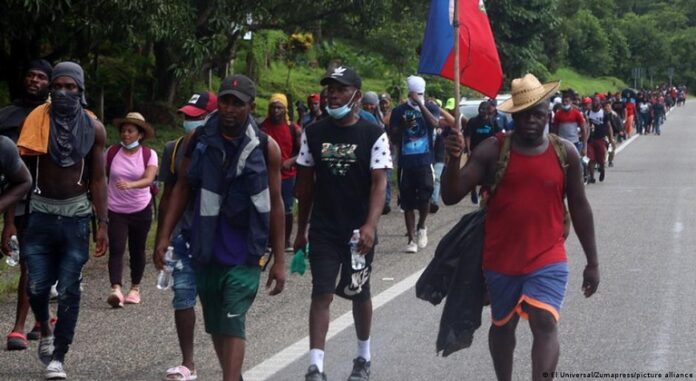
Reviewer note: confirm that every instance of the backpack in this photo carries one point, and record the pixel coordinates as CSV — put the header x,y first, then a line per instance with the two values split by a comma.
x,y
147,153
562,155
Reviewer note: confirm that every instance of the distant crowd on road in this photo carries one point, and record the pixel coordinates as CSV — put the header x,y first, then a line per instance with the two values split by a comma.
x,y
233,187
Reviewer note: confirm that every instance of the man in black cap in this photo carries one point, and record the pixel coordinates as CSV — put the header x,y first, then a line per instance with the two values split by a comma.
x,y
34,93
231,174
63,144
342,179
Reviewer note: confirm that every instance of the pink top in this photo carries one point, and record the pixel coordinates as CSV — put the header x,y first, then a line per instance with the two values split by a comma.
x,y
129,168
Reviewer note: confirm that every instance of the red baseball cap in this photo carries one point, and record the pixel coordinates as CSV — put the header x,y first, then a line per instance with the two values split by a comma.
x,y
200,104
313,97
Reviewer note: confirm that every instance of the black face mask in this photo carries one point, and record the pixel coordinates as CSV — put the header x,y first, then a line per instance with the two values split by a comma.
x,y
65,103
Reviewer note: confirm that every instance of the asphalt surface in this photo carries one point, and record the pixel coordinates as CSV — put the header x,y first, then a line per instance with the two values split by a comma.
x,y
641,320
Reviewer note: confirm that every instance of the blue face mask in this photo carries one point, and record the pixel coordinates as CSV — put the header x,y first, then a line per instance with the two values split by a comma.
x,y
190,125
341,112
566,107
133,145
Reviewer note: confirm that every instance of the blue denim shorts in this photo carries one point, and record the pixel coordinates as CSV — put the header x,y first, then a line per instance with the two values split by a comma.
x,y
287,188
184,278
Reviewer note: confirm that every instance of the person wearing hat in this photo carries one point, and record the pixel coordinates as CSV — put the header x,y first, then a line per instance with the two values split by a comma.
x,y
412,128
279,127
341,178
231,175
500,121
64,145
524,257
131,169
34,93
385,107
195,113
315,110
370,106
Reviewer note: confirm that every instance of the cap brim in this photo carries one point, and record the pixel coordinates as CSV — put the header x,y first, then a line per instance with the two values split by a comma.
x,y
149,132
238,94
326,80
192,111
509,105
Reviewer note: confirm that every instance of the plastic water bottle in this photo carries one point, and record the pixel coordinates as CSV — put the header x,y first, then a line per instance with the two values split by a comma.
x,y
164,278
13,258
357,260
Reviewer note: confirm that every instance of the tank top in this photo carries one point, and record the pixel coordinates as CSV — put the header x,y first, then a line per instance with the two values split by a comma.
x,y
524,220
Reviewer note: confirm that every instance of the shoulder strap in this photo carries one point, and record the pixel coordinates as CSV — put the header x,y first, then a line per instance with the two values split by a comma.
x,y
147,153
561,152
503,160
110,154
172,165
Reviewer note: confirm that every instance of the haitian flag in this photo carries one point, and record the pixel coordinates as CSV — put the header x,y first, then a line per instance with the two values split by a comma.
x,y
479,62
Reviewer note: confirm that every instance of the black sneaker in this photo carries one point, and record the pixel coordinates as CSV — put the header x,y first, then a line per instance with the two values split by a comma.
x,y
434,208
313,374
361,370
591,180
611,165
601,174
386,210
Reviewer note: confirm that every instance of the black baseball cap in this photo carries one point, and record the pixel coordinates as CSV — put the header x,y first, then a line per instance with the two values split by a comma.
x,y
238,85
343,75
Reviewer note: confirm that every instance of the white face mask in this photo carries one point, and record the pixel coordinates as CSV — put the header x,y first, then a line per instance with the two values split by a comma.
x,y
133,145
190,125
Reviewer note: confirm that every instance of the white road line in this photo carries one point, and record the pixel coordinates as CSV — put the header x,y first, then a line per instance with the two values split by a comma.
x,y
629,141
290,354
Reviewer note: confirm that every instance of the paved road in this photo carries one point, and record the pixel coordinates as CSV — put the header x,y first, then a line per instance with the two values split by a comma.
x,y
642,318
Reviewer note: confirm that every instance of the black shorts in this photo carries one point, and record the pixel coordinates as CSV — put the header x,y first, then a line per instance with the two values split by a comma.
x,y
415,187
328,261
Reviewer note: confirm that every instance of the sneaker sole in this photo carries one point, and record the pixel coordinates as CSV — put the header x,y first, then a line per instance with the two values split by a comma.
x,y
56,376
114,301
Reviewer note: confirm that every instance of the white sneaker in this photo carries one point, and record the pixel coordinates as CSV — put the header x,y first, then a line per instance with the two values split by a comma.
x,y
55,371
46,349
411,248
422,238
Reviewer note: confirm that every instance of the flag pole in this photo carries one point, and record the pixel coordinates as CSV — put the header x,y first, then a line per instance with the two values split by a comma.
x,y
457,95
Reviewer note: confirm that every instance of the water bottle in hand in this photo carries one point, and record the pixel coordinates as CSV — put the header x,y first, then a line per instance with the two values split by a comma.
x,y
13,256
357,259
164,278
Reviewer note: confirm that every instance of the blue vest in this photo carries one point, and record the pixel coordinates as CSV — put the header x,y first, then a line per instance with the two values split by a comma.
x,y
231,187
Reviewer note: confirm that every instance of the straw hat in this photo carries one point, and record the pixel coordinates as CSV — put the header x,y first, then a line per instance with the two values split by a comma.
x,y
137,119
528,92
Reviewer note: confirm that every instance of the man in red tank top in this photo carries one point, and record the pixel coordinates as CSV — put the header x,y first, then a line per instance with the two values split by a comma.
x,y
524,258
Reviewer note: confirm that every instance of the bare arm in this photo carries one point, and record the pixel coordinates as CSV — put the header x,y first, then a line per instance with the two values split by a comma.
x,y
369,229
277,228
98,189
446,120
458,182
144,182
304,191
176,205
581,216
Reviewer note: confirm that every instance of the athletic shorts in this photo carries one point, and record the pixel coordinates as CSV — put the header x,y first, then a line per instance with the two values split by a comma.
x,y
597,150
415,187
226,293
543,289
328,261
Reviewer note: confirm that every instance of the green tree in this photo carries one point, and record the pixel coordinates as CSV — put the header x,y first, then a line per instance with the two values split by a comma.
x,y
588,44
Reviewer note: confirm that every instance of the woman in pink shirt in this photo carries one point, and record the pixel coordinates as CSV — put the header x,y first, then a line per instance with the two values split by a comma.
x,y
131,169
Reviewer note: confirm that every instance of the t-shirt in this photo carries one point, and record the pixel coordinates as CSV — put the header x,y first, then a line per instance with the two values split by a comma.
x,y
659,109
416,142
619,108
644,107
343,159
479,129
630,109
568,123
12,117
282,135
9,157
128,168
598,125
367,116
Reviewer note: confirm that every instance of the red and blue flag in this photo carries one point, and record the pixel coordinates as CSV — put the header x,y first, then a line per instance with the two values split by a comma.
x,y
479,61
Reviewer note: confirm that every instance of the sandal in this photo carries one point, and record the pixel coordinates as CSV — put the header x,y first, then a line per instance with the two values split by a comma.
x,y
115,299
17,341
35,332
180,373
133,296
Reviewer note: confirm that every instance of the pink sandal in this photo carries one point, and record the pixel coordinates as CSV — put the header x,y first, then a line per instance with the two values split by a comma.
x,y
133,296
180,373
17,341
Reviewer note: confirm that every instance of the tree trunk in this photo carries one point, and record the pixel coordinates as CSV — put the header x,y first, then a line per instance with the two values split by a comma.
x,y
165,80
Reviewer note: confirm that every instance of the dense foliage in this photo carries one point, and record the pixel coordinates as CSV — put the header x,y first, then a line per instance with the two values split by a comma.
x,y
154,52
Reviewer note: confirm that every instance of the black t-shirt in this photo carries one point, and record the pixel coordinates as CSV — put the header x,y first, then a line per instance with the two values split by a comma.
x,y
599,124
12,117
479,129
343,159
659,109
9,157
619,108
